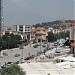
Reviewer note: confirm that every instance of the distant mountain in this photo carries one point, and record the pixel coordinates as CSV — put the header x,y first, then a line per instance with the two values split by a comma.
x,y
55,24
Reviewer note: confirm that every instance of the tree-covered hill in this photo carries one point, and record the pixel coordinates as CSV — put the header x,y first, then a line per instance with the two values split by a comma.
x,y
55,24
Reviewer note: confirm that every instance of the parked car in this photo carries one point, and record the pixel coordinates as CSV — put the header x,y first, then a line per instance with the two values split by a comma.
x,y
45,42
9,63
17,55
44,45
38,53
35,46
27,58
3,66
66,46
5,54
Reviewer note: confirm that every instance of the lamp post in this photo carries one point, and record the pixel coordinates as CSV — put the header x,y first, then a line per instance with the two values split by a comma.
x,y
22,47
8,41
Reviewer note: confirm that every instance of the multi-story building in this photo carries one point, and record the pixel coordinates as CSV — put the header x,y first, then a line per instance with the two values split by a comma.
x,y
40,34
72,39
24,31
55,31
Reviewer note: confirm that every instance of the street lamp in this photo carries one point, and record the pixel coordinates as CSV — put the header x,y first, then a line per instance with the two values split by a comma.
x,y
8,41
21,47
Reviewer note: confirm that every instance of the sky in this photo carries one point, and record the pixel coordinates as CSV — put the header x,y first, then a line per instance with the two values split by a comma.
x,y
31,12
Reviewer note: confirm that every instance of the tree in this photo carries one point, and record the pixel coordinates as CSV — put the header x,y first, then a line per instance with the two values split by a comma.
x,y
10,41
64,34
12,70
51,37
67,43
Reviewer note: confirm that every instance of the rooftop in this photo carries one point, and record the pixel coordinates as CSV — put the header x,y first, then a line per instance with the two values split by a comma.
x,y
40,28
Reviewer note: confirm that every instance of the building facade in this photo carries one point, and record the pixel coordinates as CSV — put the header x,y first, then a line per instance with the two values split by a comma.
x,y
24,31
72,39
41,34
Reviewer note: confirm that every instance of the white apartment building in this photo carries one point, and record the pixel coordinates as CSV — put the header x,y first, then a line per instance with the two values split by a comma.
x,y
55,31
24,31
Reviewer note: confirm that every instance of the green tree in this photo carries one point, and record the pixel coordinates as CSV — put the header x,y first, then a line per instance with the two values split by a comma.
x,y
12,70
2,44
64,34
67,43
51,37
11,40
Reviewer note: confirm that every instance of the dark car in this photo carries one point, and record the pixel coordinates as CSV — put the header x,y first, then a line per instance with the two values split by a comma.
x,y
30,57
38,53
27,58
9,63
17,55
35,46
43,45
39,44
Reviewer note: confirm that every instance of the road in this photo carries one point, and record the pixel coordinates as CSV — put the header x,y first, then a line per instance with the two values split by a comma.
x,y
25,51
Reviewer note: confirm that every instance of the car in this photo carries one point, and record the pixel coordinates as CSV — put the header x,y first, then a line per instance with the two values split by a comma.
x,y
66,46
39,53
5,54
17,55
2,66
35,46
55,44
9,63
45,42
27,58
38,44
17,62
30,57
44,45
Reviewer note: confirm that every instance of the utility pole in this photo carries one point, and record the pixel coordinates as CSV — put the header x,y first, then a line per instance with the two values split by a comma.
x,y
22,46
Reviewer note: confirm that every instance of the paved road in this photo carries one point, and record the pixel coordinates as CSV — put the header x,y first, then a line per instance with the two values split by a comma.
x,y
26,51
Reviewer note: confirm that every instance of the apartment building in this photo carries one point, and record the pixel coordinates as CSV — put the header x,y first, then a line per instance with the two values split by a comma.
x,y
24,31
55,31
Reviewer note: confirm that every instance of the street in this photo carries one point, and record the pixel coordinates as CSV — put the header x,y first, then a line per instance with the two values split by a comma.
x,y
26,52
23,53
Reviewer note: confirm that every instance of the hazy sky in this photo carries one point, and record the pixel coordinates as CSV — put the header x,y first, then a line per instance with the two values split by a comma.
x,y
36,11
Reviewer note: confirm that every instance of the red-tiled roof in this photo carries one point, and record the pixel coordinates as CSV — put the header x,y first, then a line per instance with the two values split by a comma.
x,y
40,28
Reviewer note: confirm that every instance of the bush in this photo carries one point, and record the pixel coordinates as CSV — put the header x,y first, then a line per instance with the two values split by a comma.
x,y
12,70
